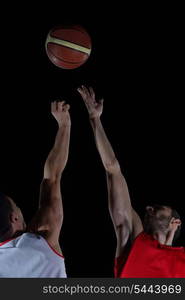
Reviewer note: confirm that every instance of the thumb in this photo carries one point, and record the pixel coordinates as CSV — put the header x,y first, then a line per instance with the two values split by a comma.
x,y
66,107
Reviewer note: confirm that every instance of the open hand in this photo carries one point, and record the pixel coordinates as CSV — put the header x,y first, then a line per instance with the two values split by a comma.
x,y
94,108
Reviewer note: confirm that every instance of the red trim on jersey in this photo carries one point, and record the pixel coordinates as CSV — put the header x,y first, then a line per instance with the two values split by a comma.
x,y
2,243
56,252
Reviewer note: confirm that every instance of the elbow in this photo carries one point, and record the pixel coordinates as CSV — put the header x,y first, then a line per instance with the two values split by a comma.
x,y
113,167
56,214
59,217
122,219
51,171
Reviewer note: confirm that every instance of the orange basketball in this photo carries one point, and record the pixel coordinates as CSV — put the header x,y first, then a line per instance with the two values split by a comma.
x,y
68,47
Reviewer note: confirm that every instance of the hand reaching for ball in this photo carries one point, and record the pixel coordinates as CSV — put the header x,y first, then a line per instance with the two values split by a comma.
x,y
60,111
94,108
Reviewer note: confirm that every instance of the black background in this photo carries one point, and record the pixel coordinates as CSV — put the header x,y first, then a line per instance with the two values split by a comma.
x,y
136,65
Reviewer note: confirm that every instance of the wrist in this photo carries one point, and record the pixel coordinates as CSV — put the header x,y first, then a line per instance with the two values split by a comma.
x,y
94,118
64,124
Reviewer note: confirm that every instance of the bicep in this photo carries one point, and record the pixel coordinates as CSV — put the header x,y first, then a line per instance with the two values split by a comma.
x,y
126,221
137,226
126,234
49,217
119,201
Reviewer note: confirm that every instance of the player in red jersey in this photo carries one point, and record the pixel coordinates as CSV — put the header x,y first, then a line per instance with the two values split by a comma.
x,y
144,249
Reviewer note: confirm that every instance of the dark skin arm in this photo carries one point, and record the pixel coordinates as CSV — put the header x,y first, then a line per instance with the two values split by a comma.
x,y
126,221
49,217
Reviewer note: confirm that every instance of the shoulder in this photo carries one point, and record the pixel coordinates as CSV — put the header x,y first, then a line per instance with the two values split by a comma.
x,y
53,246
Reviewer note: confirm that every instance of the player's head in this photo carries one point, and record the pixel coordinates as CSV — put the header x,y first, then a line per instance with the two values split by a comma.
x,y
159,218
11,218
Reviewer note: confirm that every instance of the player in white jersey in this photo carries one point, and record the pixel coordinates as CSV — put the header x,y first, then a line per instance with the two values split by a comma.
x,y
34,250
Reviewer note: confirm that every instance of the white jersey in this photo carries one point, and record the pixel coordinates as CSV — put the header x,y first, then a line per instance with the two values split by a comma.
x,y
29,255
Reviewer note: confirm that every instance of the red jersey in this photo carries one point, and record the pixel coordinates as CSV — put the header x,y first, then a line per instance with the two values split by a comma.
x,y
150,259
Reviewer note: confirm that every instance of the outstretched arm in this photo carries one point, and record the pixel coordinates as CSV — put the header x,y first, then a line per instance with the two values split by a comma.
x,y
126,221
49,217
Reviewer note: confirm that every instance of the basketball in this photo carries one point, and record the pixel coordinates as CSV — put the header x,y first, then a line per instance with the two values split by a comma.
x,y
68,47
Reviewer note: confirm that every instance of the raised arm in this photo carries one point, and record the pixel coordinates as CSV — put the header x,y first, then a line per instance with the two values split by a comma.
x,y
49,217
126,221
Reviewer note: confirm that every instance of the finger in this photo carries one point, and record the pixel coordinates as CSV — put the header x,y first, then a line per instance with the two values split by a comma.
x,y
101,101
86,102
61,105
82,93
66,107
172,220
92,93
86,91
177,221
85,95
89,96
80,90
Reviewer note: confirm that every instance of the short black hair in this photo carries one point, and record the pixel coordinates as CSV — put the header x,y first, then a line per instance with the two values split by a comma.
x,y
5,211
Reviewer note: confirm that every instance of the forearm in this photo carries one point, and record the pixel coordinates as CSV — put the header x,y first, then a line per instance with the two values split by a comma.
x,y
119,200
57,158
169,239
103,145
